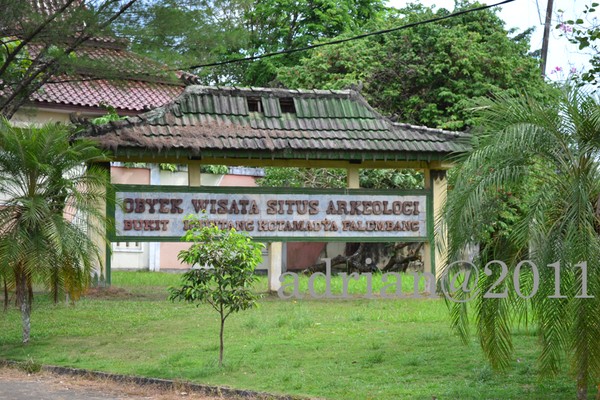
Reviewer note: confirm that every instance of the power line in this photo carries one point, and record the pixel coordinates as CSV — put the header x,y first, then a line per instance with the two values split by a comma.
x,y
338,41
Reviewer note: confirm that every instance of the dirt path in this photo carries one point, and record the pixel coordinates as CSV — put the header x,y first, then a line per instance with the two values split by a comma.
x,y
18,385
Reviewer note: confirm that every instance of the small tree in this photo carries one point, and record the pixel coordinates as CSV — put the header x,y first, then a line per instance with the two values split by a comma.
x,y
222,273
46,190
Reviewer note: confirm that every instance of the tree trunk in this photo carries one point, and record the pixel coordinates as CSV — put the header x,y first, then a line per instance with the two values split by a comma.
x,y
221,342
55,285
582,379
5,294
29,290
24,304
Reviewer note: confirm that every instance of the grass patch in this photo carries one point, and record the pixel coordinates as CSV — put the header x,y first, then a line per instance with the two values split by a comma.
x,y
335,349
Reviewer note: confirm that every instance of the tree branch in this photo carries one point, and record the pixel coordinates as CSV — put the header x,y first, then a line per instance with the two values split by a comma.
x,y
51,67
11,56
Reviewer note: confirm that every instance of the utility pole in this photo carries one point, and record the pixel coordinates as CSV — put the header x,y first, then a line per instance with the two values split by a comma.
x,y
546,36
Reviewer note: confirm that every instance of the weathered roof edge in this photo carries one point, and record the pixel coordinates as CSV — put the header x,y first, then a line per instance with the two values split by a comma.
x,y
423,145
275,92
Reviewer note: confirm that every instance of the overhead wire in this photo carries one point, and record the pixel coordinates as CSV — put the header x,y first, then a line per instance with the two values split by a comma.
x,y
338,41
345,40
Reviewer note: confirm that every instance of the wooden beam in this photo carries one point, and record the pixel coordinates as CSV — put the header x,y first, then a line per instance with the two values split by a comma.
x,y
290,163
444,165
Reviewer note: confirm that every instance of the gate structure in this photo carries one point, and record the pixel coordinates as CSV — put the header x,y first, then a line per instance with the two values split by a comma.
x,y
260,127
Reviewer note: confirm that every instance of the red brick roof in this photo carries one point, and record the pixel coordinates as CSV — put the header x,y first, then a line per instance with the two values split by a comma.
x,y
139,85
123,95
48,7
128,82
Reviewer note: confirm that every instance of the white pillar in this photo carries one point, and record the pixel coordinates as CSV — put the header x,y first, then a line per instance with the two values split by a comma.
x,y
437,182
154,247
440,190
427,258
353,178
103,268
275,257
194,176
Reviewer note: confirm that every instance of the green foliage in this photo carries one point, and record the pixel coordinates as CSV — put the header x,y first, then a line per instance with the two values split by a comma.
x,y
168,167
214,169
187,33
50,207
285,25
391,179
222,274
303,177
336,178
8,47
545,155
111,115
585,33
205,169
425,75
196,32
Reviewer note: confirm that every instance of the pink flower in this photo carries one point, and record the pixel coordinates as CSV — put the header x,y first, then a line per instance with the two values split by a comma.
x,y
566,28
573,70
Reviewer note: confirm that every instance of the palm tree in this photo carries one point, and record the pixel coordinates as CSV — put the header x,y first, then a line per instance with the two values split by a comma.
x,y
530,189
49,183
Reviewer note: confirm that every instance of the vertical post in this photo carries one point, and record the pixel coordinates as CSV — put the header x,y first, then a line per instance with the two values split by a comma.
x,y
440,191
353,178
194,176
275,256
277,252
154,247
546,38
428,255
99,234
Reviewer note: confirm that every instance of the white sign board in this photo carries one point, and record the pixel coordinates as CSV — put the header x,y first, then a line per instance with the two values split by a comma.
x,y
151,215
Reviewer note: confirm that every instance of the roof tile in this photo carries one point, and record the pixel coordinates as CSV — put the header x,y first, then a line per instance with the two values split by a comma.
x,y
207,118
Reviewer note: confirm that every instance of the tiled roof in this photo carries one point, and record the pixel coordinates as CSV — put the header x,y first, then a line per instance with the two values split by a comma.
x,y
139,84
217,122
48,7
129,82
123,95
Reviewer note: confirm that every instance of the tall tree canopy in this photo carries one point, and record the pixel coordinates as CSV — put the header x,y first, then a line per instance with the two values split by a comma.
x,y
192,32
421,75
424,75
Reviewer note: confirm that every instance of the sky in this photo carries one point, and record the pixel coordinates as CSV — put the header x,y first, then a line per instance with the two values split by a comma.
x,y
522,14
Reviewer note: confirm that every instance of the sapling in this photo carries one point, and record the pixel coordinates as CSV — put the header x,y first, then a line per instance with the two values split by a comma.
x,y
222,274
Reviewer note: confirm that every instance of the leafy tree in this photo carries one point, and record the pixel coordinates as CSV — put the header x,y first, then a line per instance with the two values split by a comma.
x,y
50,206
286,25
552,149
222,273
192,32
585,32
39,42
304,177
424,75
336,178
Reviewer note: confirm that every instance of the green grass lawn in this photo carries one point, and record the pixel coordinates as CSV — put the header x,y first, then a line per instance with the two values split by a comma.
x,y
335,349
